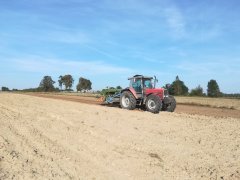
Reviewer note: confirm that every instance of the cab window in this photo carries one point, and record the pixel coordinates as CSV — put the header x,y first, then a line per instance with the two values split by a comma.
x,y
148,84
137,85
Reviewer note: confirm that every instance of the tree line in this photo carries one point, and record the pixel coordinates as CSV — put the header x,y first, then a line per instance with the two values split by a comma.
x,y
47,84
178,88
65,83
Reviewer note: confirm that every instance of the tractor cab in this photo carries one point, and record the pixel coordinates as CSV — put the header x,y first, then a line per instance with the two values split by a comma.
x,y
140,83
144,85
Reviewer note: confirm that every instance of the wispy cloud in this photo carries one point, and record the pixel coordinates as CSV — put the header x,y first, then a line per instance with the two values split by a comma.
x,y
107,54
37,64
175,21
207,67
67,36
146,57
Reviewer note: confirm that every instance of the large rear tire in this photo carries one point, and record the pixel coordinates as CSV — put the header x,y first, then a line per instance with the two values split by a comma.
x,y
153,103
171,106
127,100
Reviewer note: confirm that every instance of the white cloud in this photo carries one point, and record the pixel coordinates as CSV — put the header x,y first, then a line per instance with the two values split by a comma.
x,y
101,51
175,21
47,65
207,67
68,36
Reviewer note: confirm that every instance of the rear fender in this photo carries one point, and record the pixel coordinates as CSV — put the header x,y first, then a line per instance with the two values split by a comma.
x,y
131,90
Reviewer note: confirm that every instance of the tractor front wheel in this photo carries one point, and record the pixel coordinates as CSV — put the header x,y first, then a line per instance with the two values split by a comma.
x,y
153,103
127,100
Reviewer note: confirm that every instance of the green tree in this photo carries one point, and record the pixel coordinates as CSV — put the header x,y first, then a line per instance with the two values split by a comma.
x,y
84,84
178,88
213,89
118,87
46,84
198,91
5,88
60,81
66,80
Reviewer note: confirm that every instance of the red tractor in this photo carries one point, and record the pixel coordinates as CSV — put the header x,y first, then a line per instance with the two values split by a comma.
x,y
142,93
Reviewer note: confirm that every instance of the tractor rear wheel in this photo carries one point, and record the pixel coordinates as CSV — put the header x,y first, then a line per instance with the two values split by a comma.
x,y
153,103
127,100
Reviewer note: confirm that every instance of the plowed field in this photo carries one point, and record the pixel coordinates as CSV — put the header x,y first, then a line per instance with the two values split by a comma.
x,y
182,107
44,138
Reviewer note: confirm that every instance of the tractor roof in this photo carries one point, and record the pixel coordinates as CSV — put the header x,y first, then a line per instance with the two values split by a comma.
x,y
140,77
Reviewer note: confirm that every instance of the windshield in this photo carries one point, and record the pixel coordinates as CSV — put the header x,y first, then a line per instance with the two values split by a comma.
x,y
138,83
148,83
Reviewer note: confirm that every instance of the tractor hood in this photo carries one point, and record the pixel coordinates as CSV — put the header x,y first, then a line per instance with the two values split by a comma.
x,y
159,91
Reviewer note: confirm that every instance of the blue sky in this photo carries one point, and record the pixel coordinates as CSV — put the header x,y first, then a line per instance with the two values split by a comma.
x,y
108,41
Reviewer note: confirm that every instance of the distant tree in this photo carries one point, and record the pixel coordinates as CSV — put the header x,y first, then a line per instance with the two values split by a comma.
x,y
84,84
5,88
60,81
98,92
57,90
213,89
198,91
66,80
14,89
47,84
178,87
118,87
233,95
39,89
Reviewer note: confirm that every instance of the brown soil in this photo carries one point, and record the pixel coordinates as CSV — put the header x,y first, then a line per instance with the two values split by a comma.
x,y
208,111
189,109
44,138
